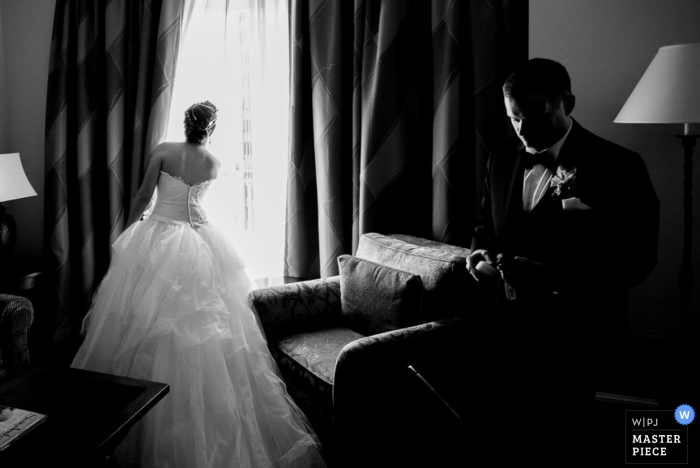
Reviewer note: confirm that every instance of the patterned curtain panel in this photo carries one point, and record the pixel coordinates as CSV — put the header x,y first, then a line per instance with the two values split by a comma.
x,y
395,107
109,92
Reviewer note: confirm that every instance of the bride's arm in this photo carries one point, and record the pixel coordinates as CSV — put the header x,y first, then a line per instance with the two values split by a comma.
x,y
148,186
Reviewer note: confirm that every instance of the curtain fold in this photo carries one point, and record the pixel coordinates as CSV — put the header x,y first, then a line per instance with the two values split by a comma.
x,y
395,107
110,84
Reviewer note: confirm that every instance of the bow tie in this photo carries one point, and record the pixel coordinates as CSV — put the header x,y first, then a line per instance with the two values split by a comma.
x,y
543,158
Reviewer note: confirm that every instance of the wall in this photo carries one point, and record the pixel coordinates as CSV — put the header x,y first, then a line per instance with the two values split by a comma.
x,y
26,40
5,146
606,46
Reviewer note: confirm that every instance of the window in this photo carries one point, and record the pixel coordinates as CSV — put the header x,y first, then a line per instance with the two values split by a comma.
x,y
236,55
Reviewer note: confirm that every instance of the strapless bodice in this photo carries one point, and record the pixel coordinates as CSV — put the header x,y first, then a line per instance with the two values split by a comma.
x,y
179,201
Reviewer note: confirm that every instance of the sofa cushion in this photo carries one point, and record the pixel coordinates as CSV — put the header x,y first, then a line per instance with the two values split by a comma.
x,y
314,354
420,242
307,364
447,283
376,298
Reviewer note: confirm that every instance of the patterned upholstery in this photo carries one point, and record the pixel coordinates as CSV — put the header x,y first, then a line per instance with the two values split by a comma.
x,y
444,274
16,315
311,343
375,354
376,298
378,403
295,307
420,242
307,364
316,353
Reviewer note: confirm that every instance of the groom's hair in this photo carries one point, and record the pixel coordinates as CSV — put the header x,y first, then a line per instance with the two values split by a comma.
x,y
538,75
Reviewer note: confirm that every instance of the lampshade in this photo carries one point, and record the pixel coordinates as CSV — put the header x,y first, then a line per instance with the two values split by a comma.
x,y
669,91
13,181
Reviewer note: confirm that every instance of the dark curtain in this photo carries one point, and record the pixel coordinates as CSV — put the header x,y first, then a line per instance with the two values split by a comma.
x,y
396,106
110,84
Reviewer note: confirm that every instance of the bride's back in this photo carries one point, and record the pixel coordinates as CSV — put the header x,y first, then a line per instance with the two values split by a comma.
x,y
191,163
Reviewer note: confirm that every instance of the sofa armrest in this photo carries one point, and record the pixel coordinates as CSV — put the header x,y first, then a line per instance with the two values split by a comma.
x,y
439,343
296,307
16,316
376,402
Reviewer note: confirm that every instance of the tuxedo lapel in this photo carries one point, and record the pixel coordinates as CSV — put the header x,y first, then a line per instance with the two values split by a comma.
x,y
549,202
571,154
507,190
512,188
592,168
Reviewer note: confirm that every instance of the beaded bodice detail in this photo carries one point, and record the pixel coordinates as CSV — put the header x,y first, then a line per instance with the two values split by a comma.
x,y
179,201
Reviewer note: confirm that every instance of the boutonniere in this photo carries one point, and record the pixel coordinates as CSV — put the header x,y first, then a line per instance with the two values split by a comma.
x,y
564,181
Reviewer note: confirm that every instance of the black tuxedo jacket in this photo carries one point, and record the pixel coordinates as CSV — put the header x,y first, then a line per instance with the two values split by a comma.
x,y
608,248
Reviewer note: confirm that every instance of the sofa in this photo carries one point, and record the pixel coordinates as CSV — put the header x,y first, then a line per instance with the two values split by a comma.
x,y
16,316
343,344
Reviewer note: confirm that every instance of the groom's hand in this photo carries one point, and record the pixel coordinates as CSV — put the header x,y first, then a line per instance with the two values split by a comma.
x,y
526,275
477,256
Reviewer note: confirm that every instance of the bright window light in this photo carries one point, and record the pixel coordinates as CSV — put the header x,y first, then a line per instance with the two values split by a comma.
x,y
236,55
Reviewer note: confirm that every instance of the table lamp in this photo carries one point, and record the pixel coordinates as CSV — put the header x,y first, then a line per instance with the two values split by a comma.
x,y
669,93
13,185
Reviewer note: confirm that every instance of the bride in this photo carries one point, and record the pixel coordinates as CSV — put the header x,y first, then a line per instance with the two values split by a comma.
x,y
173,308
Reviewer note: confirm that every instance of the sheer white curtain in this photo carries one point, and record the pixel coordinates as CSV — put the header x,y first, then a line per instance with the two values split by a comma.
x,y
235,53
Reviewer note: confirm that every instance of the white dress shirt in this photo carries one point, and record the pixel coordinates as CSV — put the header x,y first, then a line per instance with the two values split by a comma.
x,y
537,179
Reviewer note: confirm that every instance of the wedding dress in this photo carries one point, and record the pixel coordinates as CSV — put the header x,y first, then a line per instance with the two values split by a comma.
x,y
174,308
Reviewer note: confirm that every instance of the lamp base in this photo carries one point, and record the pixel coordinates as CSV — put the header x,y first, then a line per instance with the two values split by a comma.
x,y
8,234
687,279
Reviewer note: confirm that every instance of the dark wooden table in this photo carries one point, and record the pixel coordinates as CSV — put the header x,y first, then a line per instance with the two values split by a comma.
x,y
89,413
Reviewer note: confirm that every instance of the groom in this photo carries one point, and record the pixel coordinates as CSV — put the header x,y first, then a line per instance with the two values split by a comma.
x,y
579,210
570,222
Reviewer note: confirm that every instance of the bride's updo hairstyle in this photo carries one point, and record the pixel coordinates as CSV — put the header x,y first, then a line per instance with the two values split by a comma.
x,y
200,122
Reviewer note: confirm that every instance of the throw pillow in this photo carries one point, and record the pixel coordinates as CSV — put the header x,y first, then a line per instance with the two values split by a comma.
x,y
376,298
446,281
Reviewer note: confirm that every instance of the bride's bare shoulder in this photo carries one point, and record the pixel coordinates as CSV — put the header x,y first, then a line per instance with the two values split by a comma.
x,y
214,160
169,146
211,161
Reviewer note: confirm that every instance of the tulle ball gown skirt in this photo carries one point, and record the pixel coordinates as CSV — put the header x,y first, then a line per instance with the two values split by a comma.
x,y
174,308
